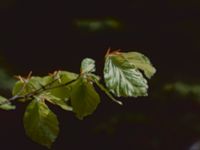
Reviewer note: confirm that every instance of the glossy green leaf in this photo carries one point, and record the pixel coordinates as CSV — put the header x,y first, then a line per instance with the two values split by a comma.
x,y
5,105
122,78
84,98
87,65
141,62
40,123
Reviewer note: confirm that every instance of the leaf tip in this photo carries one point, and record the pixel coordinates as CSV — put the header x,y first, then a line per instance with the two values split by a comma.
x,y
120,103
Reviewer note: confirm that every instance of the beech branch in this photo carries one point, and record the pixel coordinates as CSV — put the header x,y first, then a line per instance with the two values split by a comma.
x,y
37,91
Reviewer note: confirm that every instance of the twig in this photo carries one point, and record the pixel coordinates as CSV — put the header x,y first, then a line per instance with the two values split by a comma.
x,y
37,91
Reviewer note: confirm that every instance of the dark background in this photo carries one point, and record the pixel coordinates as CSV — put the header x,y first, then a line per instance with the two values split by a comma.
x,y
42,36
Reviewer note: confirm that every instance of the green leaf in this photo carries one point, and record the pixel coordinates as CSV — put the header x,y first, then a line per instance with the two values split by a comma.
x,y
30,85
21,88
104,89
66,76
62,103
35,83
141,62
40,123
122,78
87,66
17,89
63,78
5,104
84,98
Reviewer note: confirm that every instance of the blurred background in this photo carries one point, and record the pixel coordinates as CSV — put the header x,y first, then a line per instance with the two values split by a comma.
x,y
43,36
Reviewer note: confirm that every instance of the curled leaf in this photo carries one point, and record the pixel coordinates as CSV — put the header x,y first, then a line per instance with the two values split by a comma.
x,y
141,62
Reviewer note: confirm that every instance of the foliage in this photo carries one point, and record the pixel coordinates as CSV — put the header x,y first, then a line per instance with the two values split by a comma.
x,y
184,89
96,25
124,75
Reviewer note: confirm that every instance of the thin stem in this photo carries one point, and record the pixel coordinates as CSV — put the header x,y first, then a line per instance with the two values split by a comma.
x,y
38,91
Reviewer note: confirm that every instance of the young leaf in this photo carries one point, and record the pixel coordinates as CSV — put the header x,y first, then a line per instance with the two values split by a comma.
x,y
17,87
63,78
34,83
40,123
87,65
122,78
7,105
20,88
30,85
84,98
141,62
66,76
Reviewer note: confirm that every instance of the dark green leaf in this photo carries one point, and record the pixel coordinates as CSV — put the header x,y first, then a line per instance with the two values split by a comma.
x,y
84,98
5,104
141,62
122,78
40,123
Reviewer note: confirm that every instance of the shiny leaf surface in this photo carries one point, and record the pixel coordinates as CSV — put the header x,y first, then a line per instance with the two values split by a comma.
x,y
122,78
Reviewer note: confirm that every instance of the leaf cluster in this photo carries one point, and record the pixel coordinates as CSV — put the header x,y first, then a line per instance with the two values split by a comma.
x,y
125,75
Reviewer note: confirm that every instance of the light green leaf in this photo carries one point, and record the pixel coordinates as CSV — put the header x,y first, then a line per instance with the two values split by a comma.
x,y
40,123
122,78
5,104
21,88
66,76
35,83
17,89
30,85
84,98
63,78
87,66
141,62
62,103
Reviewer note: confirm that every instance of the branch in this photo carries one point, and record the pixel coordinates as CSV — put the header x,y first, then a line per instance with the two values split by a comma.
x,y
37,91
